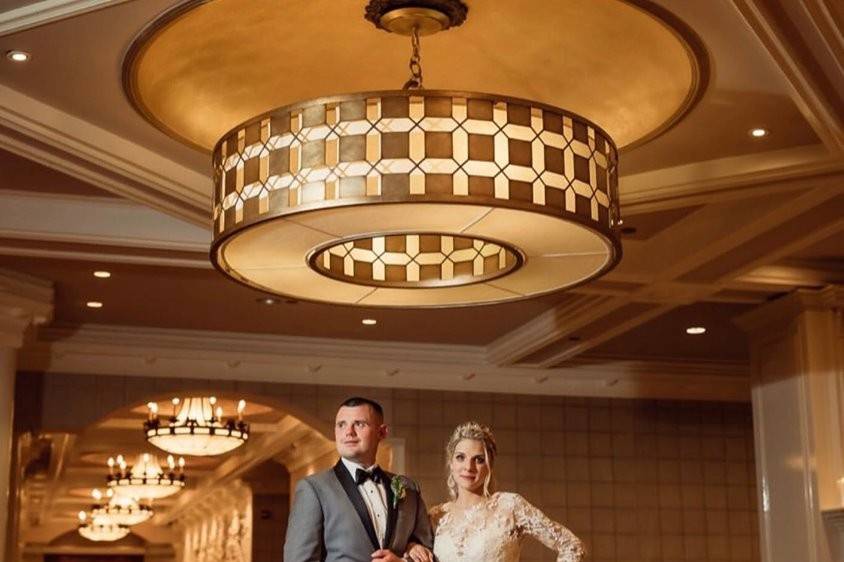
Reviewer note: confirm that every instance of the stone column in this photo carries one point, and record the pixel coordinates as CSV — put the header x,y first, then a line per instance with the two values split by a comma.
x,y
797,370
24,302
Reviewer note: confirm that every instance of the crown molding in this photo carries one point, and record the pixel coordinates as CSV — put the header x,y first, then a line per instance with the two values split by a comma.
x,y
59,140
47,11
138,351
93,220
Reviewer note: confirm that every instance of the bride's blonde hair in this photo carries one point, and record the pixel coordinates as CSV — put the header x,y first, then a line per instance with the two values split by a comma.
x,y
475,432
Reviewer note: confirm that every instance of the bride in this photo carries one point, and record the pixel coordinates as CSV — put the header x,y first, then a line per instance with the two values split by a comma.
x,y
479,524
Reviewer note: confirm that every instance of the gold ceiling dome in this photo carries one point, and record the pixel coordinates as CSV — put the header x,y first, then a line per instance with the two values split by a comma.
x,y
413,197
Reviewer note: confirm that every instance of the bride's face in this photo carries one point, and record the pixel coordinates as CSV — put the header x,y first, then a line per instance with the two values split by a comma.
x,y
469,466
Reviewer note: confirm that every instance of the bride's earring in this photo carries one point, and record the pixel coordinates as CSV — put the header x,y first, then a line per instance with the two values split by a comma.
x,y
452,485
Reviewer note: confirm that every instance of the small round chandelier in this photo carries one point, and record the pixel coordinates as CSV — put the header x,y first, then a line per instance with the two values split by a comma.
x,y
120,510
100,530
196,428
412,197
146,479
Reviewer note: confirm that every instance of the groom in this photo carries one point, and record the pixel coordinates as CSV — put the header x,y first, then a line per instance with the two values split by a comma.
x,y
356,512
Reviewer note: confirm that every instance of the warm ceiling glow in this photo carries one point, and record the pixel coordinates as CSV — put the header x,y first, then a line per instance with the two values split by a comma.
x,y
269,301
369,321
94,304
18,56
758,133
102,274
695,330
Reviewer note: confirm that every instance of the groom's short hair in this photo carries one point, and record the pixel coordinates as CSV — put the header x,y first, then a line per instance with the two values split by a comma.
x,y
360,401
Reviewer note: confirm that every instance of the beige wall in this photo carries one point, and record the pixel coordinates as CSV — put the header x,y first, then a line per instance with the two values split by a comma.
x,y
636,480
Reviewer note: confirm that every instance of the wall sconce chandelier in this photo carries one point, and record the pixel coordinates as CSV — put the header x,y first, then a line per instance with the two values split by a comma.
x,y
411,197
120,510
145,479
100,530
196,428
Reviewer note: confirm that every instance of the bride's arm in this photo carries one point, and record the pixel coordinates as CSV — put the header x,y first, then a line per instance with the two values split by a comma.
x,y
555,536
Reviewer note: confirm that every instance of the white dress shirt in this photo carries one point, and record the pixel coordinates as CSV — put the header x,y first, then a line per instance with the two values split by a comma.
x,y
374,496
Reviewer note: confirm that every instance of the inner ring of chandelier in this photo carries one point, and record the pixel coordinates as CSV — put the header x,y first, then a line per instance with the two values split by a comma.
x,y
293,186
416,260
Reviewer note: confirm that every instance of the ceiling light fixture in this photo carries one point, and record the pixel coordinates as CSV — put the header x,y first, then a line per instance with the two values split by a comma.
x,y
120,510
196,428
758,132
94,304
413,197
369,321
146,479
695,330
100,530
18,56
269,301
102,274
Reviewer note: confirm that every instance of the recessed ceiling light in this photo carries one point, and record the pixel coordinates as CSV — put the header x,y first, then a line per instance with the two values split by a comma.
x,y
269,301
758,133
94,304
102,274
695,330
369,321
18,56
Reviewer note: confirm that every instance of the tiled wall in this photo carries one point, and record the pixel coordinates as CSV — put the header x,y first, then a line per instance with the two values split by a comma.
x,y
636,480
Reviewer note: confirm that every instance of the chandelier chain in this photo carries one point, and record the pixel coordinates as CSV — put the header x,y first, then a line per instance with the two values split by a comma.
x,y
415,65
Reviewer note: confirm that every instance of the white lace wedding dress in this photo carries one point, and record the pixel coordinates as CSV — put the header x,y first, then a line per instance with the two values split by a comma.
x,y
493,531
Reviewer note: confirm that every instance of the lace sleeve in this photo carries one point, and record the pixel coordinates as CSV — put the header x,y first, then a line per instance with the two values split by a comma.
x,y
533,522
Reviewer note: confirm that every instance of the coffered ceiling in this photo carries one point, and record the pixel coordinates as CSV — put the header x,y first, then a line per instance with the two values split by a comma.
x,y
715,219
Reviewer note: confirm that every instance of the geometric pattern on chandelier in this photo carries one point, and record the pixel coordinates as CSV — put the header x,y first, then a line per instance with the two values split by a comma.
x,y
417,146
416,260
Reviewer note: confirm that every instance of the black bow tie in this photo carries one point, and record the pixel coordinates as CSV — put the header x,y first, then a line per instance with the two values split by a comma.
x,y
376,475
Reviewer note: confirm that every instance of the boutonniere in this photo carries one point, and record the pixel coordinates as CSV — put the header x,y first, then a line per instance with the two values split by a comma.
x,y
399,491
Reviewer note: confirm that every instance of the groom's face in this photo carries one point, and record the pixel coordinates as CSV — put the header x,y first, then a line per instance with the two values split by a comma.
x,y
357,432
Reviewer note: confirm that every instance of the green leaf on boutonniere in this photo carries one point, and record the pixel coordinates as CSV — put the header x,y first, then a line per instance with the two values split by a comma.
x,y
399,490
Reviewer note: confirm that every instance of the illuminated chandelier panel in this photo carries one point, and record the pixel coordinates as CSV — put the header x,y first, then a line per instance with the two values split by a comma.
x,y
146,478
119,510
100,530
197,428
294,187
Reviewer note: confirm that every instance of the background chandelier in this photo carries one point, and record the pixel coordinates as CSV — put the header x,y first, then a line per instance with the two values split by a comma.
x,y
415,197
146,478
100,530
196,428
120,510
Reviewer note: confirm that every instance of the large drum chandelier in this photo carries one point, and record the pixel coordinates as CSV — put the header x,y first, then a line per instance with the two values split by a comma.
x,y
196,428
100,530
411,197
120,510
146,478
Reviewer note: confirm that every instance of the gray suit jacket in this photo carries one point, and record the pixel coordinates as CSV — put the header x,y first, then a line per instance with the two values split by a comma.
x,y
330,523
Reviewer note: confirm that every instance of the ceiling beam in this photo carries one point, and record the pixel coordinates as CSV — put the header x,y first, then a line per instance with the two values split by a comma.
x,y
804,39
108,221
325,361
59,140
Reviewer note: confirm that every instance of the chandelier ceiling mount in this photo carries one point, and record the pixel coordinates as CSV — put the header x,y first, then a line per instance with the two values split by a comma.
x,y
426,16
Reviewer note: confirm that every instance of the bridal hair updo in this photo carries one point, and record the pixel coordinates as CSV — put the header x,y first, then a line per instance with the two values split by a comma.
x,y
475,432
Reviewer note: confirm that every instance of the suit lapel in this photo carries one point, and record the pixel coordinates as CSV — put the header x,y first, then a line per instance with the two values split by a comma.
x,y
352,492
392,510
